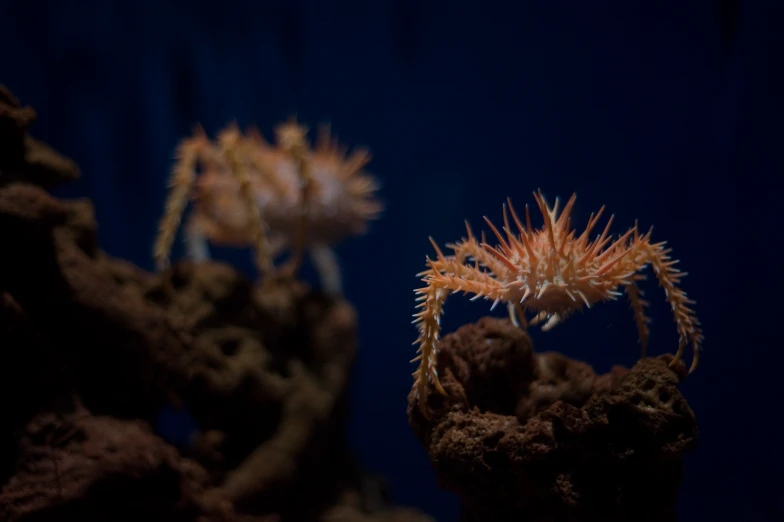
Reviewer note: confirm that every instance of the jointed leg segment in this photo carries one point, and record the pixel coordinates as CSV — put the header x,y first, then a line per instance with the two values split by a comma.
x,y
232,144
189,154
182,179
328,268
196,244
291,138
638,305
688,326
444,276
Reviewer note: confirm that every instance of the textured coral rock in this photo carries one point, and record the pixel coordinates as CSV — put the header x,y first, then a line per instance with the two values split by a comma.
x,y
92,347
77,466
269,373
22,156
541,437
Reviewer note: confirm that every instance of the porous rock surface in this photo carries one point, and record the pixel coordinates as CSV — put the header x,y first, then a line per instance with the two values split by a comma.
x,y
540,437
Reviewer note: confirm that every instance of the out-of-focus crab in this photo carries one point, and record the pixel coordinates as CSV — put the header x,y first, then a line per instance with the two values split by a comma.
x,y
286,196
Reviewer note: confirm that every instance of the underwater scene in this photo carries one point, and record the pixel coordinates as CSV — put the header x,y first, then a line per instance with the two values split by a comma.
x,y
397,260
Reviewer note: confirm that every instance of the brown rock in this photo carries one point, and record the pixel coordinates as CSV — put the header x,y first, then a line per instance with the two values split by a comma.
x,y
123,344
92,347
540,437
77,466
23,158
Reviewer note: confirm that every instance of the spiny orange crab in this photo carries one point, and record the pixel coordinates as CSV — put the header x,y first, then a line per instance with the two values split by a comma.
x,y
551,272
272,197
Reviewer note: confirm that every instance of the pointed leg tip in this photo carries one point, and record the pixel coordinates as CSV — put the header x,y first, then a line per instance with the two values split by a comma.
x,y
694,364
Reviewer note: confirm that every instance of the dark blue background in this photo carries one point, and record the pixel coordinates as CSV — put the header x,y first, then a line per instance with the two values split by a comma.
x,y
669,112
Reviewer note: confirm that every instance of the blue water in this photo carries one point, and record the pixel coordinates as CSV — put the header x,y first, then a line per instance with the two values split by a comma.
x,y
667,112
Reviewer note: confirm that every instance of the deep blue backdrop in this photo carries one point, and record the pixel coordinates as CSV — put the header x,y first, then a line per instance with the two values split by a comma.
x,y
669,112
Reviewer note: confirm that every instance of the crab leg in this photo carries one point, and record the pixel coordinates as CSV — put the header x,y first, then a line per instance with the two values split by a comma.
x,y
292,140
328,268
638,305
510,308
232,148
181,182
443,277
689,329
196,243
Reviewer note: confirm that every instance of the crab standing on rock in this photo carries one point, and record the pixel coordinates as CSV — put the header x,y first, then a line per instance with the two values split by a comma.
x,y
286,196
551,272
